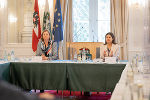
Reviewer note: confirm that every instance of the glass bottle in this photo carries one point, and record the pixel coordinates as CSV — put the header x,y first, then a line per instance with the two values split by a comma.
x,y
83,55
12,56
75,55
9,57
5,55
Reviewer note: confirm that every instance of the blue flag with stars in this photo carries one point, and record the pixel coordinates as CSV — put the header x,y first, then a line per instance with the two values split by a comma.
x,y
58,23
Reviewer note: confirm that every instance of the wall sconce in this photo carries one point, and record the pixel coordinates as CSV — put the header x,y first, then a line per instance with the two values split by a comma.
x,y
12,18
136,3
3,3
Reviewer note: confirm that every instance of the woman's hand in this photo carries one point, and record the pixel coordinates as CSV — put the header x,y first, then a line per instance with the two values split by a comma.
x,y
104,53
111,54
44,57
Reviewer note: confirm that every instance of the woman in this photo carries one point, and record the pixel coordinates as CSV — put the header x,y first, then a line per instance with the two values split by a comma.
x,y
47,48
110,48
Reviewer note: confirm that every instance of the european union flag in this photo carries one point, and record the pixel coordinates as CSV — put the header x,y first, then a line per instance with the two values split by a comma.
x,y
58,23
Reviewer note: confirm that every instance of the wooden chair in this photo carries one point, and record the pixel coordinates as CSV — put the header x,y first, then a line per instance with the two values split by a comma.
x,y
72,47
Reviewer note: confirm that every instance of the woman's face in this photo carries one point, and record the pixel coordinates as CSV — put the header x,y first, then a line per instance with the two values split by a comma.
x,y
46,36
109,38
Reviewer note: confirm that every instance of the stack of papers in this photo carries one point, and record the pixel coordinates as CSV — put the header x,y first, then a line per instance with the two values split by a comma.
x,y
110,59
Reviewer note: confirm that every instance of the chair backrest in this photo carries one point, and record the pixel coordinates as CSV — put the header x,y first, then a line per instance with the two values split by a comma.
x,y
73,47
97,52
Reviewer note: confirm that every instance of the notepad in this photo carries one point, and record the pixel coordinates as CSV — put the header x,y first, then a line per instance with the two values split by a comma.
x,y
36,58
110,59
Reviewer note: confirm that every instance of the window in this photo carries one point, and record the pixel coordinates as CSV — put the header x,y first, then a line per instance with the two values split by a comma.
x,y
91,20
81,20
103,19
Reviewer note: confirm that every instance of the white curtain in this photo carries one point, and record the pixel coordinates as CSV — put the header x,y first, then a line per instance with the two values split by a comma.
x,y
147,23
147,33
119,25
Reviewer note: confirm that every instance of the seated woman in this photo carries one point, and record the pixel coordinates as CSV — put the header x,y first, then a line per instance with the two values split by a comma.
x,y
110,48
47,48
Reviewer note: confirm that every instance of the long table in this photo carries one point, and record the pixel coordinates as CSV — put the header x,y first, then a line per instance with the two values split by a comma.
x,y
94,77
5,71
39,75
127,88
66,76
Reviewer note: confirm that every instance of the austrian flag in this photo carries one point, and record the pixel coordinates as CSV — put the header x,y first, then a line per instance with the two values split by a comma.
x,y
36,33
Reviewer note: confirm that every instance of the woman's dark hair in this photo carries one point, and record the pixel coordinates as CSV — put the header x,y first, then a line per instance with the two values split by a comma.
x,y
42,34
113,38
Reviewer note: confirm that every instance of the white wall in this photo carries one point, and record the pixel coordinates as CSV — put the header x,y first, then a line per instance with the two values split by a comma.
x,y
23,50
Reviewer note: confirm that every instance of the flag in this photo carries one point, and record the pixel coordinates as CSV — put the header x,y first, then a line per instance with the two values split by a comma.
x,y
36,33
58,23
46,19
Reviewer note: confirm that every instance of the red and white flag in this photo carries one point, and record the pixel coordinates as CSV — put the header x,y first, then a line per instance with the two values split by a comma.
x,y
36,33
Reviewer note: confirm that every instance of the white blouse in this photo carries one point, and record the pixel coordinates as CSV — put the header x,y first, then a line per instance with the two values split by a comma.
x,y
115,49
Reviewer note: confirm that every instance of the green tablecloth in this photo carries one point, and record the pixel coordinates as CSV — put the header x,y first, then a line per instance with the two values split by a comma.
x,y
62,76
39,75
94,77
5,72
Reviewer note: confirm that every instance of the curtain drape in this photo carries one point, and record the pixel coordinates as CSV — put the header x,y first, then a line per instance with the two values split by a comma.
x,y
66,9
147,34
147,23
3,25
119,25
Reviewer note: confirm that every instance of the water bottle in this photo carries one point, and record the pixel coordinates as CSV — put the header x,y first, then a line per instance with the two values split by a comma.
x,y
140,92
84,55
12,55
137,59
75,56
79,57
5,55
8,57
